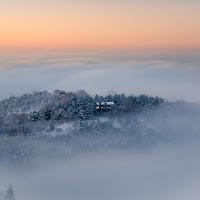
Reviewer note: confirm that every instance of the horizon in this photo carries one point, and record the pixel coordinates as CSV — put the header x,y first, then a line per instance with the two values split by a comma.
x,y
62,146
173,75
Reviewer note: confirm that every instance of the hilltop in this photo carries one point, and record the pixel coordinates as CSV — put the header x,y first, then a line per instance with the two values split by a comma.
x,y
41,111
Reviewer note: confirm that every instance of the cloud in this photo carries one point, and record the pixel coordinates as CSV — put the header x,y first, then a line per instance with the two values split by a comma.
x,y
171,76
163,174
168,170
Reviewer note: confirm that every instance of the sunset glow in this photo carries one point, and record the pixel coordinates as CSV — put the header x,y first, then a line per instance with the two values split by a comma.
x,y
102,24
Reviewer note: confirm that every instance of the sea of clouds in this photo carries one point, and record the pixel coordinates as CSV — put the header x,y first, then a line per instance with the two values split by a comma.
x,y
172,75
165,173
158,160
168,170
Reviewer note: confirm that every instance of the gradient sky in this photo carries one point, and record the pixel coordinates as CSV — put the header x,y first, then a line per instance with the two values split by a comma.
x,y
100,24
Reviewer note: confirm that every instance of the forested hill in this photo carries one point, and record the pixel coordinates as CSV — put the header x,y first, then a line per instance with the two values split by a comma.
x,y
33,112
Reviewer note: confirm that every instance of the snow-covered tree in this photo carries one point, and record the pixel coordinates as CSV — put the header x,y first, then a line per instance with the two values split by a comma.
x,y
97,128
90,110
33,112
96,98
80,127
10,194
124,126
82,114
35,116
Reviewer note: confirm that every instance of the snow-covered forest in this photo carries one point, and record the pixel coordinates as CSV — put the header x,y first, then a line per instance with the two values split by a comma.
x,y
42,124
66,131
43,112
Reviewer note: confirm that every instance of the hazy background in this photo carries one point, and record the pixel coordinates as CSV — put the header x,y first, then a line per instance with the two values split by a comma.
x,y
166,171
173,75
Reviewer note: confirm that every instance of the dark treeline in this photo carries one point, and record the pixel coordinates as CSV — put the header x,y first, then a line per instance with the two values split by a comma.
x,y
35,112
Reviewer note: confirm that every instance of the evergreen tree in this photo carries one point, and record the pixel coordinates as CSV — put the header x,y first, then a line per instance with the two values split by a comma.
x,y
89,110
96,98
94,108
124,126
10,194
70,112
35,116
97,127
47,114
114,111
82,114
80,127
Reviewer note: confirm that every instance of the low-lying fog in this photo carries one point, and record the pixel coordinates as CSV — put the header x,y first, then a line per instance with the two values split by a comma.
x,y
172,75
101,169
158,160
166,173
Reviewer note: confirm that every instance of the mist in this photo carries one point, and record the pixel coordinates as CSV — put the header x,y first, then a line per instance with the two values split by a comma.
x,y
173,76
157,160
114,176
165,173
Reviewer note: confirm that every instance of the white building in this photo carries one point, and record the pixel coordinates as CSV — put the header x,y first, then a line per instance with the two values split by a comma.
x,y
104,106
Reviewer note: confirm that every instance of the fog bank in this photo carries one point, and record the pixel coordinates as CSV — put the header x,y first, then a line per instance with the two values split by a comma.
x,y
168,173
157,159
172,76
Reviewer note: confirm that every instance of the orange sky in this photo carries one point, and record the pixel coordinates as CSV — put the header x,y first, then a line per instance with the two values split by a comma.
x,y
100,24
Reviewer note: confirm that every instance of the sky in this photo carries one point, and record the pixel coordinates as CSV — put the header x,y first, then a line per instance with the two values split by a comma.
x,y
105,46
128,46
95,24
